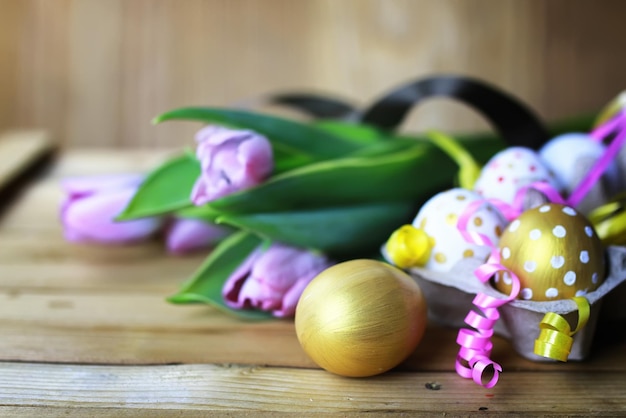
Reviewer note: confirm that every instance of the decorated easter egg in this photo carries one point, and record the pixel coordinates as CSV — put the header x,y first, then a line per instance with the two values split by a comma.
x,y
571,157
360,318
438,218
555,253
509,170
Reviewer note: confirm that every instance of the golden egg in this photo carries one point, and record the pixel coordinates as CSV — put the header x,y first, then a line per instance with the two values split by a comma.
x,y
555,253
360,318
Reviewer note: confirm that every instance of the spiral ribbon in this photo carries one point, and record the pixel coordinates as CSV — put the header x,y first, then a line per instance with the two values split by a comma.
x,y
609,221
473,359
555,339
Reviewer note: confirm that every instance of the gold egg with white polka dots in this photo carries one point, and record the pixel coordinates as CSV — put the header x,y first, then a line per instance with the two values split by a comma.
x,y
555,253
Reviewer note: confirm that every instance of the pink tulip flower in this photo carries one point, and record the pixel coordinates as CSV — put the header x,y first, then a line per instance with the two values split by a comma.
x,y
273,279
231,160
183,236
91,205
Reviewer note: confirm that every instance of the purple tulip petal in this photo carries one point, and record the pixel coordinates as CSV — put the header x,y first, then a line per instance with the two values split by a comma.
x,y
292,296
186,235
273,280
93,218
231,160
235,282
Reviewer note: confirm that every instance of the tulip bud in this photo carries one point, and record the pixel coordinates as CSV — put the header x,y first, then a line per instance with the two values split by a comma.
x,y
91,205
187,235
231,160
273,279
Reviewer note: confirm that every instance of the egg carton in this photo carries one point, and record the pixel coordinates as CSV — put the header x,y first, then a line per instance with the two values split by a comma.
x,y
450,295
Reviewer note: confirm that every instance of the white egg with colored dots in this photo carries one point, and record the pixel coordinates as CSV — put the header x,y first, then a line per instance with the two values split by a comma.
x,y
570,157
554,252
438,218
509,170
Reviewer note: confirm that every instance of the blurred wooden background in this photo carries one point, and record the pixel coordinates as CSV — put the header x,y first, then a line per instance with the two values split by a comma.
x,y
94,72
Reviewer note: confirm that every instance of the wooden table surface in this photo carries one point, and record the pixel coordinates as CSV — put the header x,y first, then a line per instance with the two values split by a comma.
x,y
86,331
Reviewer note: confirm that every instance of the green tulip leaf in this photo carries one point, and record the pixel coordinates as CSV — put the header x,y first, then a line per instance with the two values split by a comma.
x,y
286,136
355,132
413,173
338,231
205,285
166,189
204,213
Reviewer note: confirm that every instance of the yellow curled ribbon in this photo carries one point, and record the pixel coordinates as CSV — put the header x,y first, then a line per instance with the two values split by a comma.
x,y
409,247
555,339
609,221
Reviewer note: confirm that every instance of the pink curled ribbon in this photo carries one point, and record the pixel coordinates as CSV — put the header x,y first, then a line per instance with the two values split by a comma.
x,y
616,127
476,344
473,359
512,211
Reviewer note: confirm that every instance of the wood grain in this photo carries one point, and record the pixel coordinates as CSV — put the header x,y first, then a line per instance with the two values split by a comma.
x,y
94,73
19,150
86,331
246,389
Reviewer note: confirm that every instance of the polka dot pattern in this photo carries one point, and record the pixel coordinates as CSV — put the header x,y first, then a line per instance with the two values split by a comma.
x,y
569,211
554,252
510,170
439,217
559,231
584,256
557,261
526,293
530,266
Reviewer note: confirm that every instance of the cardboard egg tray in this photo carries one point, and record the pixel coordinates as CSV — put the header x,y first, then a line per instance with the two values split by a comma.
x,y
450,295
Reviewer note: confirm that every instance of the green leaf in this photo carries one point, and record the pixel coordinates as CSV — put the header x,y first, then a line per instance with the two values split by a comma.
x,y
166,189
356,132
204,213
205,286
412,173
338,231
287,136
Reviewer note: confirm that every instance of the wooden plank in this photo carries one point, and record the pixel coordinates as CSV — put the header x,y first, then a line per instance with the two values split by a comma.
x,y
245,389
47,192
106,304
86,331
95,326
19,150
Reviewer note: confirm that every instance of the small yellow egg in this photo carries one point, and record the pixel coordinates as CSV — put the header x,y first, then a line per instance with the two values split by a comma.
x,y
360,318
555,253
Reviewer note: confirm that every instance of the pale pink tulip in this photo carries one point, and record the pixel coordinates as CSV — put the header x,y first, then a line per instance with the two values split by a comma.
x,y
187,235
273,279
91,205
231,160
